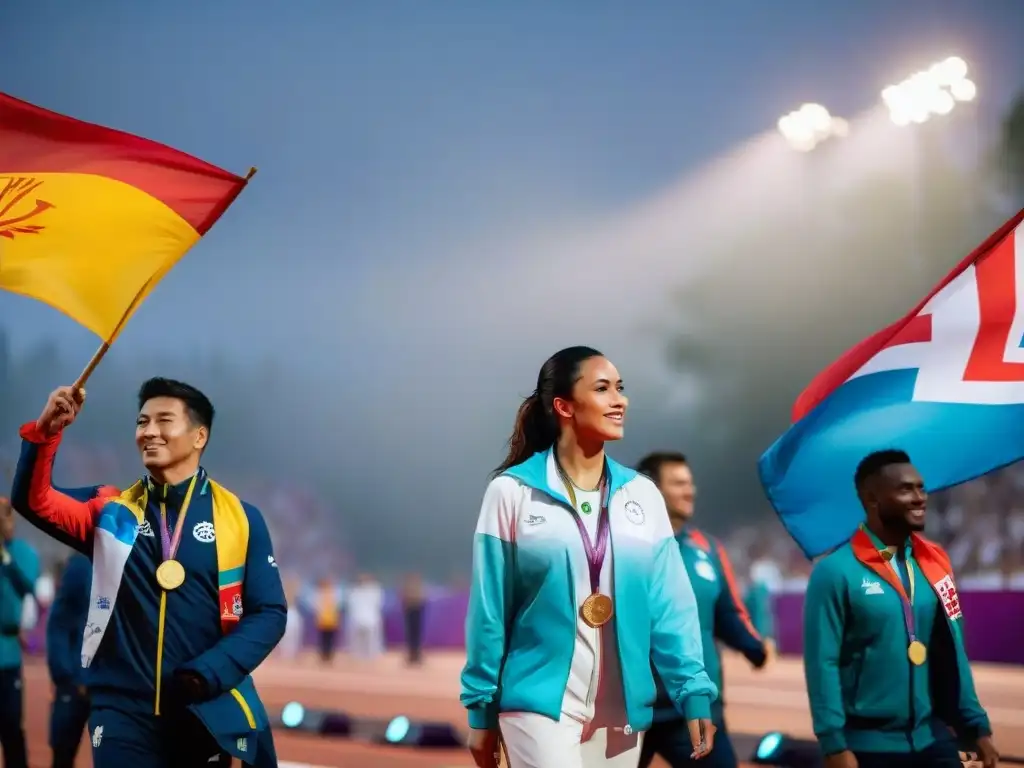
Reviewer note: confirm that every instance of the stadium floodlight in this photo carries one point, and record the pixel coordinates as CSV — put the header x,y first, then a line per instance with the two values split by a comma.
x,y
930,92
805,128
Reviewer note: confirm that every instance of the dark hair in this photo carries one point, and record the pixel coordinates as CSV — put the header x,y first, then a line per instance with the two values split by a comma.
x,y
875,462
197,405
651,464
536,427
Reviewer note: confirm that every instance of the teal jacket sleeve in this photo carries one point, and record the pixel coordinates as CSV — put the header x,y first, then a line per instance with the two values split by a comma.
x,y
261,627
21,567
824,618
677,651
974,718
759,603
733,625
490,603
66,622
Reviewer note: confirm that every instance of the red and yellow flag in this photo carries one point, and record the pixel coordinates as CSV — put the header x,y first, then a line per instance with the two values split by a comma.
x,y
91,219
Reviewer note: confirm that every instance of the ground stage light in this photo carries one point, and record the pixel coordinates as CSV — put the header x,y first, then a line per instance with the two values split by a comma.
x,y
781,750
296,717
402,731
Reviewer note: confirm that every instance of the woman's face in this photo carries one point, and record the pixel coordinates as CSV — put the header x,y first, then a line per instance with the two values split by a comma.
x,y
598,406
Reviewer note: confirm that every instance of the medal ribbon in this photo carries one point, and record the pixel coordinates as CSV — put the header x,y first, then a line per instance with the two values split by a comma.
x,y
907,601
596,551
168,544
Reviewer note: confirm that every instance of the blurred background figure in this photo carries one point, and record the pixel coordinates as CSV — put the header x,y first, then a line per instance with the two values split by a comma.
x,y
291,643
65,626
765,581
365,617
19,570
328,617
412,610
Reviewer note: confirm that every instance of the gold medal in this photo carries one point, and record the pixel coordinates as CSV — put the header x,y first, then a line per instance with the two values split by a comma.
x,y
170,575
597,610
917,653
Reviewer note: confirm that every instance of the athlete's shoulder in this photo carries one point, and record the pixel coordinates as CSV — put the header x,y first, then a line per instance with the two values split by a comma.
x,y
934,549
642,489
834,564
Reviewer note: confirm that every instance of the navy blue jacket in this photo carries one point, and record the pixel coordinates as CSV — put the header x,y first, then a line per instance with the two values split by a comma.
x,y
66,623
124,671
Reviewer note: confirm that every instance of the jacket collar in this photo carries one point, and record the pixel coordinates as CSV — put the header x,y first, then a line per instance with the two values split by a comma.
x,y
541,473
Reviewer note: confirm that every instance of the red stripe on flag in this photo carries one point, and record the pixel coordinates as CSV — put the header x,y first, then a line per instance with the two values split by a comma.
x,y
835,375
917,330
997,301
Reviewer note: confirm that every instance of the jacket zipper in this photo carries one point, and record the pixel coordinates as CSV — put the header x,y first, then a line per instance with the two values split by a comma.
x,y
161,622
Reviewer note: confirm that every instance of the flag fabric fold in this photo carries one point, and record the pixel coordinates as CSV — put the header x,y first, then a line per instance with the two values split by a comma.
x,y
91,218
945,383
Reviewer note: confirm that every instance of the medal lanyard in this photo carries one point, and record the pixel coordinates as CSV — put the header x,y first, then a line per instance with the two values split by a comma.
x,y
905,599
168,544
596,551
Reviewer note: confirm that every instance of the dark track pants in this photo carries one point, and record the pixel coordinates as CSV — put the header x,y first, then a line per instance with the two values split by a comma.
x,y
68,718
12,729
122,739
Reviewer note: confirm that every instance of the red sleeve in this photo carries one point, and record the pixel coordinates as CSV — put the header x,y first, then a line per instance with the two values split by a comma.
x,y
35,497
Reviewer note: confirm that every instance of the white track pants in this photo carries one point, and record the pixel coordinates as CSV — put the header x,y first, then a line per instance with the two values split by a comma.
x,y
535,741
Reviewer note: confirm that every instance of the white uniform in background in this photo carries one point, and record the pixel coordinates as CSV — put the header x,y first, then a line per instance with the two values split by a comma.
x,y
364,617
291,643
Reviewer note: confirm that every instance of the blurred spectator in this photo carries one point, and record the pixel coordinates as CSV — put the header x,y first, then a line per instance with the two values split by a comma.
x,y
365,617
412,609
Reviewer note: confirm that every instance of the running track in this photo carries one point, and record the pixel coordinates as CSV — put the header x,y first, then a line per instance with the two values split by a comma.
x,y
773,699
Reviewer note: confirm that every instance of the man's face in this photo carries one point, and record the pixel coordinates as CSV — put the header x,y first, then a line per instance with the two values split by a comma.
x,y
165,435
901,499
675,482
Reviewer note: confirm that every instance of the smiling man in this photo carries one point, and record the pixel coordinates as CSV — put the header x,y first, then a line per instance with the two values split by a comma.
x,y
186,598
884,658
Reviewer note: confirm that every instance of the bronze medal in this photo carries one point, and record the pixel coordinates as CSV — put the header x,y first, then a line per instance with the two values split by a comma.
x,y
597,610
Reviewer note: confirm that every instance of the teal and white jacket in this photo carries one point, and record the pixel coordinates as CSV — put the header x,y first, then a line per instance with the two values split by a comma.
x,y
528,650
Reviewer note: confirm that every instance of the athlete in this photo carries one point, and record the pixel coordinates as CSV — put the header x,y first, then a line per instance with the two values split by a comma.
x,y
722,615
65,626
19,570
186,598
577,588
884,657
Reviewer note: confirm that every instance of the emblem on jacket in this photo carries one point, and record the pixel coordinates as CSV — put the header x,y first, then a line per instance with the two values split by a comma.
x,y
946,590
204,532
634,513
235,610
704,569
145,529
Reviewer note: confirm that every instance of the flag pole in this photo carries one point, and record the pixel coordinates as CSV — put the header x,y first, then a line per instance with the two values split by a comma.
x,y
100,353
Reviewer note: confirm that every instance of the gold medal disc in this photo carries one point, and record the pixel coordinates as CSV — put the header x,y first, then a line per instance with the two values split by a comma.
x,y
170,575
917,653
597,610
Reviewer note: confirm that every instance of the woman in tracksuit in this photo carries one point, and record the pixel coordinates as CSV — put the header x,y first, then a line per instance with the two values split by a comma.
x,y
578,586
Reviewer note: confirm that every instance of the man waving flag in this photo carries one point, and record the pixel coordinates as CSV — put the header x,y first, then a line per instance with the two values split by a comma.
x,y
945,384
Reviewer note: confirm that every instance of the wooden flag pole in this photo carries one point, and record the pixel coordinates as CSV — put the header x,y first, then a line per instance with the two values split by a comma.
x,y
100,353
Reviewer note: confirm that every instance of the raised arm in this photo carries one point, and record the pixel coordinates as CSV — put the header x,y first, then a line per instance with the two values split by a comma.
x,y
490,603
67,519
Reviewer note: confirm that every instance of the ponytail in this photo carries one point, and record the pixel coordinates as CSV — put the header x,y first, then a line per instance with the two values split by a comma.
x,y
533,432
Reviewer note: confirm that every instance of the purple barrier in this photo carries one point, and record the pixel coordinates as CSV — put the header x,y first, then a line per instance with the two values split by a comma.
x,y
993,625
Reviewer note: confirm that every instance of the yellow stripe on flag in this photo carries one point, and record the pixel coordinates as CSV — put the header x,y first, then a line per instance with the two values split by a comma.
x,y
89,246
